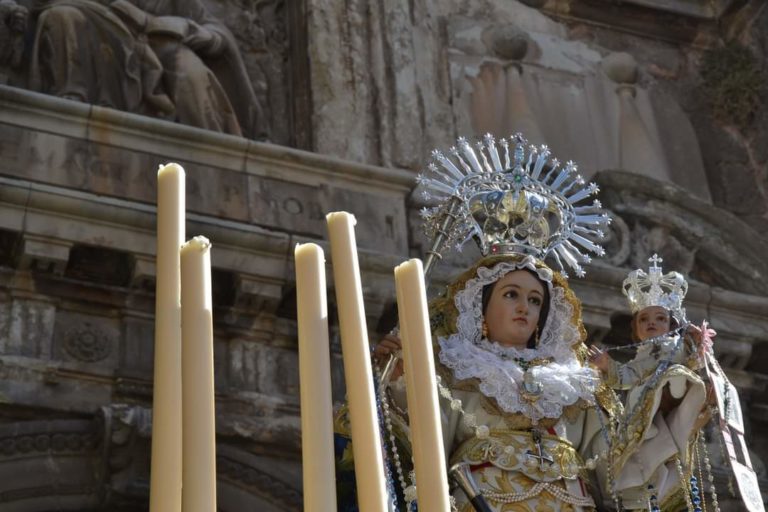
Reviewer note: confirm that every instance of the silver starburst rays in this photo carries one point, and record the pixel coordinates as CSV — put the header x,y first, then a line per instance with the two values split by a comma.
x,y
512,198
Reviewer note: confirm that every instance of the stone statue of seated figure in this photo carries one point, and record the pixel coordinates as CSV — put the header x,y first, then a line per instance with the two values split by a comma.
x,y
13,24
164,58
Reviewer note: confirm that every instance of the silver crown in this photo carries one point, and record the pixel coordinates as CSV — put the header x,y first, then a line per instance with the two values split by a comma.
x,y
656,289
512,198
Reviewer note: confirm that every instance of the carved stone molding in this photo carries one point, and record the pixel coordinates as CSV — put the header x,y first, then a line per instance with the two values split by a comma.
x,y
257,293
126,430
44,254
693,236
689,21
259,482
617,242
47,460
43,443
709,9
144,272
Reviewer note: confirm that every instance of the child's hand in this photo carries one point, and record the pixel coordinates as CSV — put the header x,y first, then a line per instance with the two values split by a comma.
x,y
695,333
599,359
702,336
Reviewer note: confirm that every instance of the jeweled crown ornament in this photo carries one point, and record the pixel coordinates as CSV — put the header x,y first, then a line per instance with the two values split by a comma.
x,y
513,199
656,289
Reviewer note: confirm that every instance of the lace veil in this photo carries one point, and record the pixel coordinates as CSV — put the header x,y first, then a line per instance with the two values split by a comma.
x,y
563,381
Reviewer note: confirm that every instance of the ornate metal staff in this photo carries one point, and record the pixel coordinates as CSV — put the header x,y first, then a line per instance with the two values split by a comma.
x,y
433,255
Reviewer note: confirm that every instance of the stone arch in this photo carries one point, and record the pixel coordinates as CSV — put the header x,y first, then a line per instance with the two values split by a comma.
x,y
256,482
95,465
50,465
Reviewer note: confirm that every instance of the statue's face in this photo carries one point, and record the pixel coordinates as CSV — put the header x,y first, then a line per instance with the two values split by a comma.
x,y
651,321
514,308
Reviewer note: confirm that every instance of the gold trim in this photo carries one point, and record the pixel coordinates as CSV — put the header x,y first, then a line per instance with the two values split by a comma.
x,y
507,449
633,433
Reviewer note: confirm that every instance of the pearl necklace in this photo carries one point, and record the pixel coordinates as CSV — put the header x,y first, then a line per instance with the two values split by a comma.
x,y
384,399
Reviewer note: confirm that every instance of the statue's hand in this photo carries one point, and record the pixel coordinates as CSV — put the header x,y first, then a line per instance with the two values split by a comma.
x,y
598,358
203,40
389,344
170,26
703,336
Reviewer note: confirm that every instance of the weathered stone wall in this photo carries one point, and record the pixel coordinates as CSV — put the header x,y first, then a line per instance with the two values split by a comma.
x,y
606,87
727,108
77,279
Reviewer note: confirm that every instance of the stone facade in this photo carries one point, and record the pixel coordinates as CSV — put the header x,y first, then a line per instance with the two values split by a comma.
x,y
633,91
77,300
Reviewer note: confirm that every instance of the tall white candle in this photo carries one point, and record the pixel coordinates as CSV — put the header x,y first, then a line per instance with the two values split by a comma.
x,y
421,388
315,381
366,439
165,484
198,411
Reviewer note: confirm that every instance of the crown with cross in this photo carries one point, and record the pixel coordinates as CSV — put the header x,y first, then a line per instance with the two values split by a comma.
x,y
656,289
513,199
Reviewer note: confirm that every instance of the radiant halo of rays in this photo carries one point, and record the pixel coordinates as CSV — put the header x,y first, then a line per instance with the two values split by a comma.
x,y
464,173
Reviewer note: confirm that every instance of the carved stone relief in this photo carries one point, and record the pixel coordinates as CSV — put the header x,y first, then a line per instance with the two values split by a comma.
x,y
617,241
30,328
259,482
86,338
649,240
219,66
87,343
40,459
127,430
243,364
13,24
268,481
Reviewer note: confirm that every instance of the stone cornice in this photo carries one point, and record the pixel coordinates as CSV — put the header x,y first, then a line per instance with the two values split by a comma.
x,y
36,208
700,23
101,125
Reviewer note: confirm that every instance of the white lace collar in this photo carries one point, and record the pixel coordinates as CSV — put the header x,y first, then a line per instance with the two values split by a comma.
x,y
562,382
